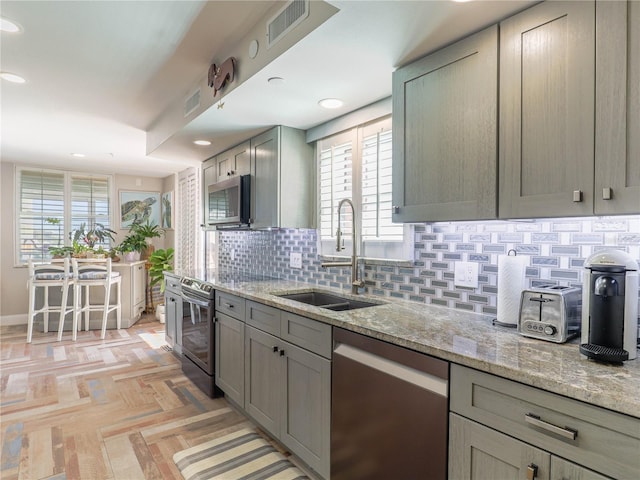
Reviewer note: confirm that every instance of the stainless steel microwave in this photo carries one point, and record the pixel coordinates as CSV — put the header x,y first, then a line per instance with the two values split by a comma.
x,y
229,201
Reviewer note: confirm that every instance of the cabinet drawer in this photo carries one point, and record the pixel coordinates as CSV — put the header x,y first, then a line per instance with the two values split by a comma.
x,y
264,318
605,441
172,283
310,334
231,305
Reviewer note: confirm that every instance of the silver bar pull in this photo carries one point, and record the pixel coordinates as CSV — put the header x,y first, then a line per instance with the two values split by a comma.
x,y
565,432
396,209
532,471
607,193
577,195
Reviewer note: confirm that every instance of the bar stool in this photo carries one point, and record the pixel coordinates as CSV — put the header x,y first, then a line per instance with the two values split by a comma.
x,y
44,276
95,273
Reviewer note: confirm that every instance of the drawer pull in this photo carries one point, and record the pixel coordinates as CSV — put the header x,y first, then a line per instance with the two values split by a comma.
x,y
532,471
228,305
565,432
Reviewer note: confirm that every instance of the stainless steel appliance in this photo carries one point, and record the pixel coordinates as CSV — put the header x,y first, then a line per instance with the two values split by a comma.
x,y
229,201
198,341
388,409
610,307
550,312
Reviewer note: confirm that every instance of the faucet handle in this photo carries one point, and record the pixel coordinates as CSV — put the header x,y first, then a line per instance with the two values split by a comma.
x,y
339,240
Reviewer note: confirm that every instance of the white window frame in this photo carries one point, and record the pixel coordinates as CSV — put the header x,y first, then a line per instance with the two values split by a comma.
x,y
188,211
67,216
369,248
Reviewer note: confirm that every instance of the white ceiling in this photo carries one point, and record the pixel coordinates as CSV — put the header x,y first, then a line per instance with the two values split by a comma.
x,y
100,73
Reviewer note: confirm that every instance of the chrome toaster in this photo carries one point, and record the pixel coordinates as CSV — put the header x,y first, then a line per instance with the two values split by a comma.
x,y
550,312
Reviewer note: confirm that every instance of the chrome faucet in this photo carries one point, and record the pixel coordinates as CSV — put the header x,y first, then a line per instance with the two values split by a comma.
x,y
355,283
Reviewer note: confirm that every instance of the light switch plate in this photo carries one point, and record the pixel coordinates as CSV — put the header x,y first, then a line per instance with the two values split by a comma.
x,y
295,260
466,274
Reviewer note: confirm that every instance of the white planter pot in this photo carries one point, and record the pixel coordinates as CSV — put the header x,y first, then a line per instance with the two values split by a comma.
x,y
131,256
160,313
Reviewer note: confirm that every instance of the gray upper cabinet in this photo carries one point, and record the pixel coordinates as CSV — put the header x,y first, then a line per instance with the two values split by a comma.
x,y
617,179
547,76
445,133
233,162
282,188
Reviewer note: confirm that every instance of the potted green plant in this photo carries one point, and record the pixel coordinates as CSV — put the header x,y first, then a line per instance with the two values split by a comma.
x,y
160,261
131,247
84,240
60,251
146,231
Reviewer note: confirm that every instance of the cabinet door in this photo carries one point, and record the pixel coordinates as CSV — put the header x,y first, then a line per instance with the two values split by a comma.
x,y
265,183
479,453
230,357
547,111
263,379
170,318
139,288
307,406
562,469
617,179
233,162
445,133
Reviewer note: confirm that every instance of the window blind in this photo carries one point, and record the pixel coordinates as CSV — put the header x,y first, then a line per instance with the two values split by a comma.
x,y
336,183
90,203
188,214
42,216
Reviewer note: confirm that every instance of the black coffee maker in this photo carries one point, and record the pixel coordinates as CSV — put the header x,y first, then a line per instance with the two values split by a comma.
x,y
610,307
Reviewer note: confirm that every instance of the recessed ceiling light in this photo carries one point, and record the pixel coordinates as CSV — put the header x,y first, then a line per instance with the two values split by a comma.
x,y
12,77
79,155
203,143
275,81
330,103
7,25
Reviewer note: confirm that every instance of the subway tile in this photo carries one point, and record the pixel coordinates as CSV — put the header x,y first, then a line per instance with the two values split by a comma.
x,y
480,238
464,247
545,261
452,256
494,248
437,301
452,237
565,250
464,306
510,238
440,265
478,257
439,283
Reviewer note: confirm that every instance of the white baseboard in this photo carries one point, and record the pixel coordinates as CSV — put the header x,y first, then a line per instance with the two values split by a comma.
x,y
19,319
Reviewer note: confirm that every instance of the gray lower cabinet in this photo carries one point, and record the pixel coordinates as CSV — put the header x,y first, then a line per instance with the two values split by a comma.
x,y
229,333
173,312
617,147
508,426
287,387
445,133
480,453
547,82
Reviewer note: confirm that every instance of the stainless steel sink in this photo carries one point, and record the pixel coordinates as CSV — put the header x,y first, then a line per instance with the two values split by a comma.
x,y
328,300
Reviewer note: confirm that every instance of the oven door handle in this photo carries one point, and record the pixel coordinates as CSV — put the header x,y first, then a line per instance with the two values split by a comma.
x,y
196,301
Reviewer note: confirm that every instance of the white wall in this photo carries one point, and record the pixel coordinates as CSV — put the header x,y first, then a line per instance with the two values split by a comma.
x,y
13,280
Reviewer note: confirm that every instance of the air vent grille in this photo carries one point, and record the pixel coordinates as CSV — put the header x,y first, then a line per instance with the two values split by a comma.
x,y
192,103
286,19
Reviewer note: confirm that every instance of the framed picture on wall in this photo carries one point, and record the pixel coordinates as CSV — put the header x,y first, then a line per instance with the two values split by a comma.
x,y
167,210
139,207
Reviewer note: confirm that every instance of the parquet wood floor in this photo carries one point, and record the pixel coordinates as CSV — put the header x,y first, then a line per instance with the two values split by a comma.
x,y
100,409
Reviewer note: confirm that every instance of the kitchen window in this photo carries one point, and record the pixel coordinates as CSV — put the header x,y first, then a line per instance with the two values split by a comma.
x,y
51,204
357,164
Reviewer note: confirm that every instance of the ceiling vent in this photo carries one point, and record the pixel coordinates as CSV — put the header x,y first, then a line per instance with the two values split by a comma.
x,y
286,19
192,103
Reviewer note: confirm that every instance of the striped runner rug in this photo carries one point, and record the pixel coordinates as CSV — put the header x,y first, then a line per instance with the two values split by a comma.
x,y
242,455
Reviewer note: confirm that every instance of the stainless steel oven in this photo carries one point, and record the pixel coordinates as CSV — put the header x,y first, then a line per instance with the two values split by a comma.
x,y
229,201
198,341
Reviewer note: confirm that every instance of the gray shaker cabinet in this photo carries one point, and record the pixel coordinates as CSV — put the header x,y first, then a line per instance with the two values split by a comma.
x,y
282,188
229,334
445,133
617,147
547,72
233,162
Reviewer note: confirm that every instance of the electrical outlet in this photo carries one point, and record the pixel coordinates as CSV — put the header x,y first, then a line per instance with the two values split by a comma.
x,y
295,260
466,274
232,254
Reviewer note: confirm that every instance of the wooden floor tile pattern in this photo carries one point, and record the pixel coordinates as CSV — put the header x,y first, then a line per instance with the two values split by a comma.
x,y
99,409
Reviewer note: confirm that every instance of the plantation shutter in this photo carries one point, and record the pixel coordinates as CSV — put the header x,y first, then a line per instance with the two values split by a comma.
x,y
90,203
41,217
188,218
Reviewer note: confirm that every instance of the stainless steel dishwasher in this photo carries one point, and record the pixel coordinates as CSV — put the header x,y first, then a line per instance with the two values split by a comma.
x,y
388,411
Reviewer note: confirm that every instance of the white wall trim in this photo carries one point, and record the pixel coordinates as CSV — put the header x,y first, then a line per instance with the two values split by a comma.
x,y
18,319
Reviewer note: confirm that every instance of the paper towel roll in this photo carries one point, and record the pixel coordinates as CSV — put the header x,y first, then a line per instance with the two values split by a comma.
x,y
511,272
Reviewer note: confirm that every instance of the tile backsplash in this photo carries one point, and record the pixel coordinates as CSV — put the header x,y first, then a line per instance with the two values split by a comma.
x,y
556,250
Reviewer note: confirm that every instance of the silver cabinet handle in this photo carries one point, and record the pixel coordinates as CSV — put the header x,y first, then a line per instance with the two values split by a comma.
x,y
607,193
396,209
228,305
577,195
565,432
532,471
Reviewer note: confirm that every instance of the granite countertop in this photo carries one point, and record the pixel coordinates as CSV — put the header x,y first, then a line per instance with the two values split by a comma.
x,y
467,339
